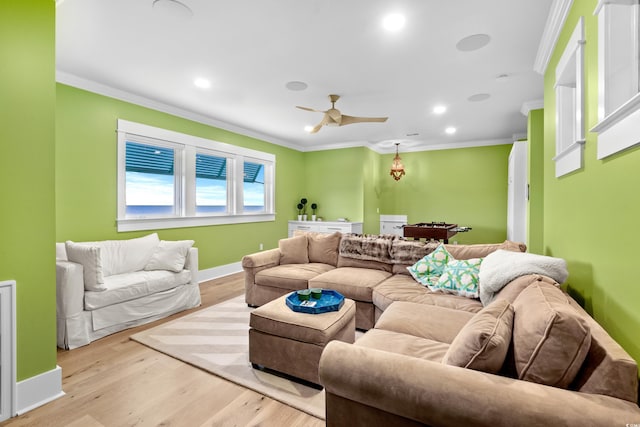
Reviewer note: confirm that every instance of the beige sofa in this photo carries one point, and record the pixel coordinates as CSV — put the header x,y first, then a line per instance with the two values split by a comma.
x,y
532,356
106,286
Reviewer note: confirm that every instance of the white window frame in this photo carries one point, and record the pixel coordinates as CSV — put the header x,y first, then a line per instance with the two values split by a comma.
x,y
186,147
618,76
569,86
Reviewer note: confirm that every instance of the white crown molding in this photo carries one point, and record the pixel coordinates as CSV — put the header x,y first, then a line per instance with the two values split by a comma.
x,y
519,136
555,21
538,104
101,89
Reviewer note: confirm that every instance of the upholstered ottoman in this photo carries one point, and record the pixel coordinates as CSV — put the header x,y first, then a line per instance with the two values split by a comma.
x,y
291,343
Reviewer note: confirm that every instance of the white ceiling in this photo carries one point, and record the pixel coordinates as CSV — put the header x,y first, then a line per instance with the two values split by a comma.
x,y
250,49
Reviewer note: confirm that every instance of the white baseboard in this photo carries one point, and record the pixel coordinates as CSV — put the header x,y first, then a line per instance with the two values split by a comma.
x,y
38,390
219,271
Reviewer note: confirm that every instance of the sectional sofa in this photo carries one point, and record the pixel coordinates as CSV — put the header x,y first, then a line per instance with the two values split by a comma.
x,y
524,354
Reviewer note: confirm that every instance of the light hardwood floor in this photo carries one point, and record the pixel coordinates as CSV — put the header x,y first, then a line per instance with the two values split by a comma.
x,y
118,382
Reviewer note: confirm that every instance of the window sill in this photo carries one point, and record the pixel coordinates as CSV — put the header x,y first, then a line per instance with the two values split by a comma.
x,y
619,131
570,159
136,224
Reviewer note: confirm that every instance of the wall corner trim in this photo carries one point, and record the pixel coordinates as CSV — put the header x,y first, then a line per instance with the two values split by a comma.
x,y
531,105
36,391
555,21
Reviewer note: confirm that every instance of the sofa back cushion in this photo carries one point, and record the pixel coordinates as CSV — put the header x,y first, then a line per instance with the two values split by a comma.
x,y
550,338
294,250
482,250
322,247
483,342
126,256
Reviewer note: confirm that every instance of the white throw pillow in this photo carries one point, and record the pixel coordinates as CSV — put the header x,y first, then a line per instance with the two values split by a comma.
x,y
89,257
170,255
126,256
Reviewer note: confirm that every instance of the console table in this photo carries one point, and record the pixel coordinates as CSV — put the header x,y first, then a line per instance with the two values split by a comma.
x,y
325,226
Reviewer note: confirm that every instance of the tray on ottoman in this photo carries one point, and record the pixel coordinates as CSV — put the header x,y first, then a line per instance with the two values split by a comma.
x,y
330,300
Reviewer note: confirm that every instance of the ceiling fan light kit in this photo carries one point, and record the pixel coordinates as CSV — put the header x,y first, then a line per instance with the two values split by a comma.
x,y
333,116
397,168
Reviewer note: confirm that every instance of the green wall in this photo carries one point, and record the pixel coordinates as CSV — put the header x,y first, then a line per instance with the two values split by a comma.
x,y
86,198
463,186
535,178
335,180
27,216
591,216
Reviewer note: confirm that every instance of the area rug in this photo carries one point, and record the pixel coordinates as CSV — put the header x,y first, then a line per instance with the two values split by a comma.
x,y
216,339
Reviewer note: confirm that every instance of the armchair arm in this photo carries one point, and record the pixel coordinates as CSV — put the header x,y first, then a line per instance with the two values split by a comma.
x,y
440,395
69,289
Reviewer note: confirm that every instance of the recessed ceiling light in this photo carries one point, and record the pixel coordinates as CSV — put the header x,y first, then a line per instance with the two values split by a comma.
x,y
450,130
439,109
297,86
202,83
479,97
172,9
308,128
393,22
473,42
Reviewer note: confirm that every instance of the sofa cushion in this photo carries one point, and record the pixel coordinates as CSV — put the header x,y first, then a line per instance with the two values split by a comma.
x,y
431,265
354,283
127,255
482,250
483,342
550,338
435,323
323,248
293,250
290,276
169,255
399,343
90,257
460,277
403,288
130,286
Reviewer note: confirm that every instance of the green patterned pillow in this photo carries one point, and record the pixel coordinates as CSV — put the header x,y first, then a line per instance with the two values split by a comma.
x,y
431,265
460,277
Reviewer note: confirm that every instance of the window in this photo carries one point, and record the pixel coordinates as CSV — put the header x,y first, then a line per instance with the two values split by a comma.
x,y
570,105
618,76
167,179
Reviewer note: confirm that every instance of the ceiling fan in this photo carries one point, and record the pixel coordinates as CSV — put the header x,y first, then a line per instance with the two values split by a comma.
x,y
333,116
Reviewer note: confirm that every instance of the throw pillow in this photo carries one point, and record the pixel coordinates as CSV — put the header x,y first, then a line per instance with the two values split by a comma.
x,y
550,338
323,248
293,250
431,265
460,277
483,342
91,261
170,255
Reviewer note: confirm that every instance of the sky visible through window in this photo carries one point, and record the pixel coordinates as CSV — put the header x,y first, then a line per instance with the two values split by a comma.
x,y
147,189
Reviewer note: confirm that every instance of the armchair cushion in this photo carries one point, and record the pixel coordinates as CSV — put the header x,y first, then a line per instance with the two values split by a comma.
x,y
482,344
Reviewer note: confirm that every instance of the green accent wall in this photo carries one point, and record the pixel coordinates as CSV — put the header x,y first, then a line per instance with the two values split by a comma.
x,y
86,175
27,216
591,215
465,186
535,178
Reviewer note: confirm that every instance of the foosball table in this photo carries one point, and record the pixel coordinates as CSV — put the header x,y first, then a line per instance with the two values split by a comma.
x,y
433,230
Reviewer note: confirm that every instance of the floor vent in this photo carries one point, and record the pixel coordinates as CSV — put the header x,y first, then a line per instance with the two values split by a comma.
x,y
7,349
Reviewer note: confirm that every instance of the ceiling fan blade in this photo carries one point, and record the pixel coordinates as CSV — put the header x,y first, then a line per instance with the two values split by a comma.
x,y
309,109
317,127
347,120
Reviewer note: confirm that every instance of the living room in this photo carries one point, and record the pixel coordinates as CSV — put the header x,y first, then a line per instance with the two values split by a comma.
x,y
59,183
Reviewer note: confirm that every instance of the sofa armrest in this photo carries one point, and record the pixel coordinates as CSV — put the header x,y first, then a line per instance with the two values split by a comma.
x,y
191,264
69,289
261,260
440,395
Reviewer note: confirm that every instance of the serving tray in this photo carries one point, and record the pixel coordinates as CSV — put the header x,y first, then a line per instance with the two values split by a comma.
x,y
329,301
